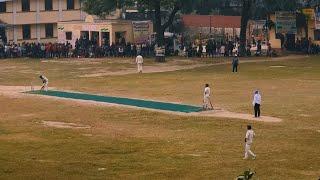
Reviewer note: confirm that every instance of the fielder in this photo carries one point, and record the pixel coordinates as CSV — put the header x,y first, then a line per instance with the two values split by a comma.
x,y
139,61
45,82
248,140
206,98
235,63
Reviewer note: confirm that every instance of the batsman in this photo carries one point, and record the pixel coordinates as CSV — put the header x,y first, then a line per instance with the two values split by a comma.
x,y
45,82
207,105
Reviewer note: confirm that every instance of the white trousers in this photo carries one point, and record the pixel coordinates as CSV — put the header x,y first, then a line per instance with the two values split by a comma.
x,y
248,151
139,67
206,102
45,86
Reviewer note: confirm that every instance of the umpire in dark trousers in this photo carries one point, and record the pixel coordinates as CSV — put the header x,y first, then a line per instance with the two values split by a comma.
x,y
256,104
235,63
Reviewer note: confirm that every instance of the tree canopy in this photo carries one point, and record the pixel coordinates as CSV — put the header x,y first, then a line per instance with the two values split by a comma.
x,y
264,7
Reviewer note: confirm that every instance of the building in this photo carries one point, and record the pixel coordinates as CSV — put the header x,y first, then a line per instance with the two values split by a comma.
x,y
220,27
293,27
36,20
105,31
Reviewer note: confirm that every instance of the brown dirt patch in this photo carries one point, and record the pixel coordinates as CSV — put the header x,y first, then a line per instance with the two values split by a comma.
x,y
63,125
277,66
146,69
233,115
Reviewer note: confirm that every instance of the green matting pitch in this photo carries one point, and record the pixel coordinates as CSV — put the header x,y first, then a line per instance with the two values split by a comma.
x,y
122,101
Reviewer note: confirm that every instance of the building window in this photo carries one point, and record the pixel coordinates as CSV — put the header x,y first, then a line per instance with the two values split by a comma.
x,y
68,35
317,35
26,31
3,7
49,30
48,5
25,5
70,4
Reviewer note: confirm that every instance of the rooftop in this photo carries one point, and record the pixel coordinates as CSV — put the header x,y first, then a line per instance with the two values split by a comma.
x,y
211,20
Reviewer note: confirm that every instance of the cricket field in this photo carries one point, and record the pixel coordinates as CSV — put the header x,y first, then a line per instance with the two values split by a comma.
x,y
52,138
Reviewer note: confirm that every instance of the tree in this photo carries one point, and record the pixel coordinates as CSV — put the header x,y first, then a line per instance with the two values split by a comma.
x,y
265,7
205,7
102,8
161,20
245,17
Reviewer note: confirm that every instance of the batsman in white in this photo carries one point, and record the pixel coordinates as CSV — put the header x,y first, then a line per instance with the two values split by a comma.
x,y
45,82
207,105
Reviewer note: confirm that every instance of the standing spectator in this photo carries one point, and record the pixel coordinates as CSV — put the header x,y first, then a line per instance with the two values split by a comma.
x,y
204,51
269,51
43,50
222,50
210,48
128,50
309,46
7,50
139,49
113,50
120,51
259,49
230,48
200,49
2,55
214,48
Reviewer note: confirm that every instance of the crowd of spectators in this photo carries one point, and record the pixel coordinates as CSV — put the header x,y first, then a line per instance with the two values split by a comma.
x,y
210,48
306,46
213,48
85,48
35,50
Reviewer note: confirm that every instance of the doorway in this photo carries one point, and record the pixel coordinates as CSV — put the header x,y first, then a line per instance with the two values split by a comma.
x,y
84,34
121,37
95,37
105,38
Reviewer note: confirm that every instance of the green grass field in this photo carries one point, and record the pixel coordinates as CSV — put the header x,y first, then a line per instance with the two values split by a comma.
x,y
138,144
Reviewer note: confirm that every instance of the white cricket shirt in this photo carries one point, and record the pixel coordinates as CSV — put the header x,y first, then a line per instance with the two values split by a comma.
x,y
249,136
139,59
207,92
